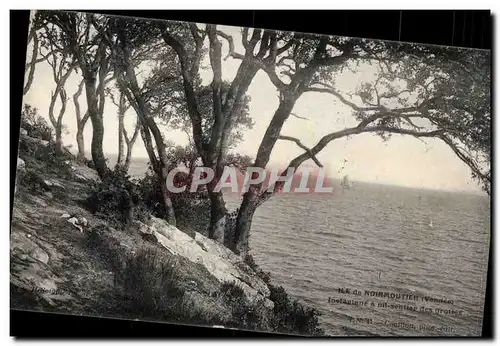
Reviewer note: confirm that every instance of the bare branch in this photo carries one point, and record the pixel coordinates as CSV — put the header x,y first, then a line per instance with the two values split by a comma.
x,y
298,116
230,41
76,96
330,90
264,44
253,41
244,38
465,158
310,153
31,65
302,146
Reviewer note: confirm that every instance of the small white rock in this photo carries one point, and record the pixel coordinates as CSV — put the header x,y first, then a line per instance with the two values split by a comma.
x,y
74,222
83,222
20,163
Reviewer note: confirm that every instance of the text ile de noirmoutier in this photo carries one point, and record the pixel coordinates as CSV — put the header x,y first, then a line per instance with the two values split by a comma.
x,y
397,301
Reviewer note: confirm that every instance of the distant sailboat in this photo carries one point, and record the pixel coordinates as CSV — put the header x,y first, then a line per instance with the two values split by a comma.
x,y
431,225
346,185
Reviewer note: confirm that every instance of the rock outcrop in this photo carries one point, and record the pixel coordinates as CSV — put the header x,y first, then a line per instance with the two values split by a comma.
x,y
220,262
84,173
21,165
33,140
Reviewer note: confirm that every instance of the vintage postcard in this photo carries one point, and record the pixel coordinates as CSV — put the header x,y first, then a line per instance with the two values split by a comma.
x,y
247,178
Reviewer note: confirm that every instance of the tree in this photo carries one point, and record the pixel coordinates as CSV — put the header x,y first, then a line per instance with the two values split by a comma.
x,y
80,121
299,63
83,36
312,57
212,144
133,44
30,65
123,138
162,97
62,66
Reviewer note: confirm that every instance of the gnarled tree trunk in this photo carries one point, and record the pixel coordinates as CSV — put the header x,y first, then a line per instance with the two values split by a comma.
x,y
130,144
130,87
239,241
218,216
97,125
80,122
251,199
160,173
80,143
121,148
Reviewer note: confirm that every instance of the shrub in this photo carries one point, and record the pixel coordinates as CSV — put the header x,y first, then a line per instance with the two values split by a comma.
x,y
248,316
32,182
264,276
34,124
40,160
45,157
107,248
231,291
118,197
192,210
244,315
150,287
150,193
290,316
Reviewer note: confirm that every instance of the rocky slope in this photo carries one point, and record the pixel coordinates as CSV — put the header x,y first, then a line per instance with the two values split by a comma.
x,y
55,267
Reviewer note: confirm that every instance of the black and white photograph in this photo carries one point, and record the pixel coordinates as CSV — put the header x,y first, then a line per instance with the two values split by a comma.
x,y
252,179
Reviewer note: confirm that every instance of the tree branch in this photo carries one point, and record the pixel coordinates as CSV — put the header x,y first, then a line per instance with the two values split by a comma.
x,y
341,98
310,153
32,64
230,41
298,116
302,146
76,96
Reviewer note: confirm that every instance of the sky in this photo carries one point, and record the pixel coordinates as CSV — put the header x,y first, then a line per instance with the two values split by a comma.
x,y
403,160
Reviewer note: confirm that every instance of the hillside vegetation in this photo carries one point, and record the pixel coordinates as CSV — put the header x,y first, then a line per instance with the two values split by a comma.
x,y
131,263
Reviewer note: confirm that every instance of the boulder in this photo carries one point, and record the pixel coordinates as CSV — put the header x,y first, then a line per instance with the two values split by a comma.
x,y
84,173
21,165
21,169
52,183
23,132
220,262
26,248
33,140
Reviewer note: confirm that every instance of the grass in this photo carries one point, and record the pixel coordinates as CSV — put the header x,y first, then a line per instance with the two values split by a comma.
x,y
264,276
148,286
290,316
